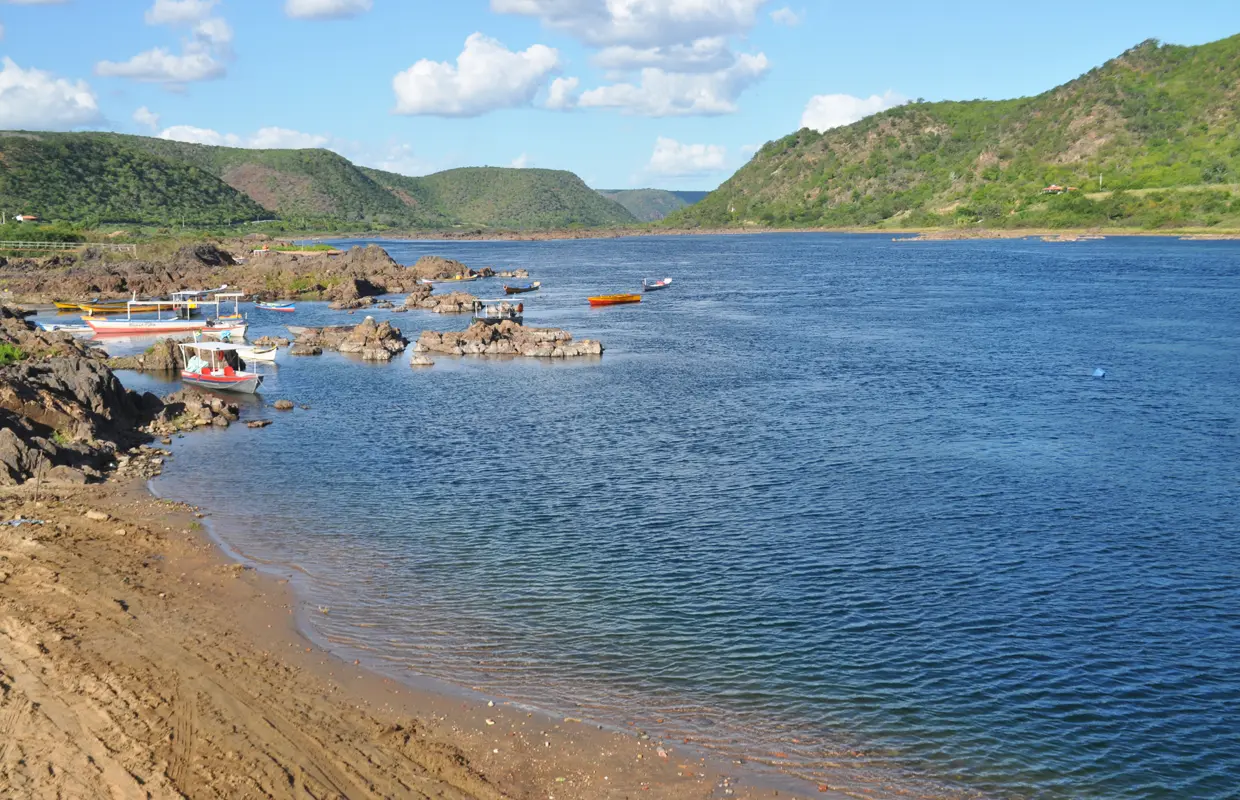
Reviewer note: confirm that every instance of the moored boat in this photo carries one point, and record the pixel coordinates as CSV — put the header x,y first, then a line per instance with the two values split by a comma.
x,y
214,365
288,308
62,306
521,288
119,307
651,286
614,299
454,279
256,353
56,327
493,311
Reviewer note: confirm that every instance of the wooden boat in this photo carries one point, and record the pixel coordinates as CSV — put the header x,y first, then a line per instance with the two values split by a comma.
x,y
614,299
454,279
119,307
66,306
214,365
254,353
493,311
56,327
652,286
525,287
179,323
288,308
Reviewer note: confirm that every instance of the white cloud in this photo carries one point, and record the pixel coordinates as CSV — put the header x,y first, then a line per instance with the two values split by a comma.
x,y
672,158
178,12
214,32
826,111
641,23
522,161
750,149
32,99
562,95
701,55
160,66
786,16
665,94
326,9
146,118
487,76
263,139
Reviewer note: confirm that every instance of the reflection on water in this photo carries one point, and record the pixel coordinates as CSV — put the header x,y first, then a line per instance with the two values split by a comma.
x,y
854,502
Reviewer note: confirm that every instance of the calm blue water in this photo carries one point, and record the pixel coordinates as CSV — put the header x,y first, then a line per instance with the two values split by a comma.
x,y
856,502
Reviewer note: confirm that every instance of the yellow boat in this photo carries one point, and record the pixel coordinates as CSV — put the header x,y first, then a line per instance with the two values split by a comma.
x,y
117,308
614,299
65,306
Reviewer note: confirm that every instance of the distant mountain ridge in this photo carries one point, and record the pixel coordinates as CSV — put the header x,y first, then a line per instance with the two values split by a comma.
x,y
651,205
117,178
1162,119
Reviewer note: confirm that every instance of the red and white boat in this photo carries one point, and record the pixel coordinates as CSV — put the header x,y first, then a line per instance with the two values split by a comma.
x,y
230,327
214,365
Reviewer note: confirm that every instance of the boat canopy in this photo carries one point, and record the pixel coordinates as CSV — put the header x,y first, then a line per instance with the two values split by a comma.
x,y
216,346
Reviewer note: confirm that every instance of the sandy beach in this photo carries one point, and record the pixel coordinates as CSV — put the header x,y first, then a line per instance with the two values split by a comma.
x,y
136,661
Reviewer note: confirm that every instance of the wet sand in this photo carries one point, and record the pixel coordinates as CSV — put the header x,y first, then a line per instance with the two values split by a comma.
x,y
136,661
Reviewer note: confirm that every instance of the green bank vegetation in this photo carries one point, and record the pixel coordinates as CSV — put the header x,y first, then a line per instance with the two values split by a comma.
x,y
102,179
1148,141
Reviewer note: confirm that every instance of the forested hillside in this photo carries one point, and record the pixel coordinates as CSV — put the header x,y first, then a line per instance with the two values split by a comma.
x,y
647,205
93,179
114,178
1149,139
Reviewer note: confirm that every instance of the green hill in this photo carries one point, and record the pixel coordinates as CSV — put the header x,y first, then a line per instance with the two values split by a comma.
x,y
647,205
95,178
502,197
116,178
1159,117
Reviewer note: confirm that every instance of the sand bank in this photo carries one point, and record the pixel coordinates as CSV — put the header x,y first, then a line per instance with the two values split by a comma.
x,y
136,661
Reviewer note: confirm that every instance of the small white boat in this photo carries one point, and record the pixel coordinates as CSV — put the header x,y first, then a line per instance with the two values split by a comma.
x,y
258,353
213,365
649,285
56,327
231,327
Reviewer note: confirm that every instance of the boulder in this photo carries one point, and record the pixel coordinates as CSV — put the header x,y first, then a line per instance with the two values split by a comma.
x,y
375,341
507,338
432,267
305,350
451,303
283,405
421,361
272,341
162,356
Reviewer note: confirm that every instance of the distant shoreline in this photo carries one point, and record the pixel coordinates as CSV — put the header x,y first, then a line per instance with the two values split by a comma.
x,y
914,234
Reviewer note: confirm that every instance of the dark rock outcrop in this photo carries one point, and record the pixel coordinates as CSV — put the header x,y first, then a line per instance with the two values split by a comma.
x,y
162,356
507,339
374,341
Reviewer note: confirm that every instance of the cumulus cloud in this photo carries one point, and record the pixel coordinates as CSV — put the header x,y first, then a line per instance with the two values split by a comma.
x,y
326,9
32,99
202,54
146,118
672,158
487,76
826,111
160,66
786,16
522,161
663,94
263,139
562,95
701,55
178,12
640,23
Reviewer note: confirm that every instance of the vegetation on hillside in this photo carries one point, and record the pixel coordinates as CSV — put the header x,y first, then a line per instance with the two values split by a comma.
x,y
511,198
1158,117
110,178
89,179
647,205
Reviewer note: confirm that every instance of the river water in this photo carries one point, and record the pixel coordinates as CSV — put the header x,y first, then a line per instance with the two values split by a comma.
x,y
858,508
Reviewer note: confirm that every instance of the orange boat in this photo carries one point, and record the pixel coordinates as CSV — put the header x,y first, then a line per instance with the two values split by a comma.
x,y
614,299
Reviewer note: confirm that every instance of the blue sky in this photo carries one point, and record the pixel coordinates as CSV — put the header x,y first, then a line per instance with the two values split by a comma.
x,y
626,93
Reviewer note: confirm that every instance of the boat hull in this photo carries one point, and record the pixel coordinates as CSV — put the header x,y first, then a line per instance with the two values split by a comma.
x,y
521,289
615,299
129,327
287,309
265,354
66,306
654,286
245,383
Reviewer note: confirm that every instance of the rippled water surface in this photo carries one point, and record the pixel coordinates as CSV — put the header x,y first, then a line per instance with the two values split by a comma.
x,y
856,506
